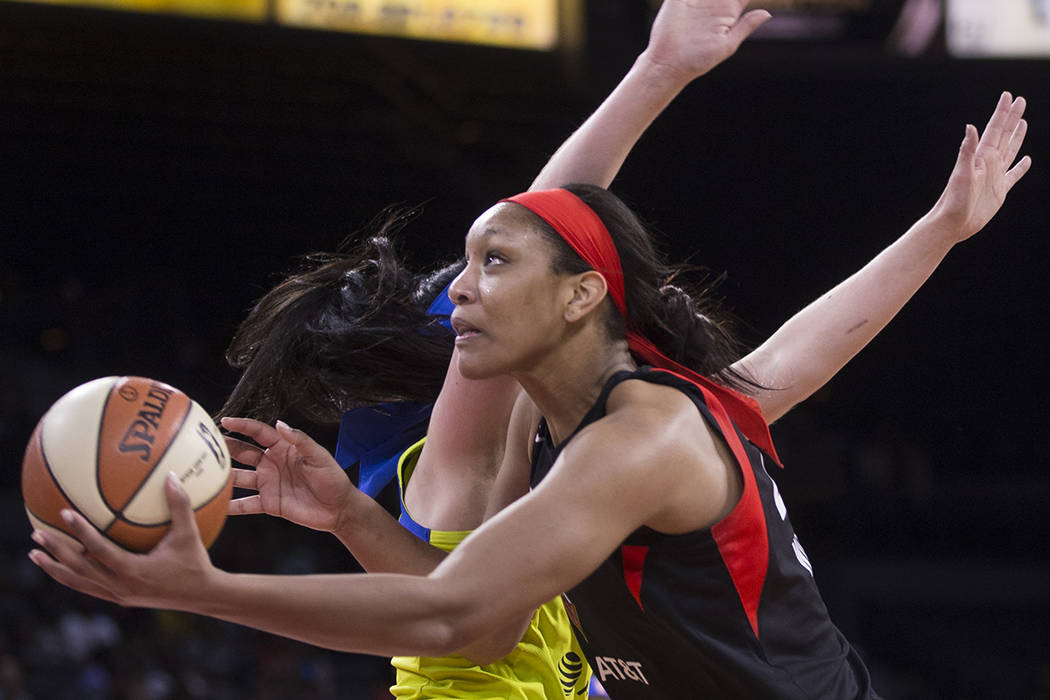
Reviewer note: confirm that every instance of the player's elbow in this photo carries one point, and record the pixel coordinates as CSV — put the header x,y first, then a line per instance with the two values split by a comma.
x,y
494,636
446,635
453,626
471,621
491,647
471,631
488,656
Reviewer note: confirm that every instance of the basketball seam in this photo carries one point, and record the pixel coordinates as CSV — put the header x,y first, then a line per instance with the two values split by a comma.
x,y
58,485
160,458
121,518
98,449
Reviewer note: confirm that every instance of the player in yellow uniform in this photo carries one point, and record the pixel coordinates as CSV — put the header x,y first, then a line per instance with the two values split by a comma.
x,y
547,644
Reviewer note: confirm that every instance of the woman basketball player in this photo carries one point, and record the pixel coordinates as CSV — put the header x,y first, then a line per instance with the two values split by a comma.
x,y
340,336
650,502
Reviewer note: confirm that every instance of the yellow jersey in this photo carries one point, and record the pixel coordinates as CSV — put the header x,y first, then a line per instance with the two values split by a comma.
x,y
547,664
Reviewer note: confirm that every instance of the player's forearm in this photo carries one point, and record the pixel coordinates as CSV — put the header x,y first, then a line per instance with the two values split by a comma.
x,y
383,614
597,150
381,545
819,340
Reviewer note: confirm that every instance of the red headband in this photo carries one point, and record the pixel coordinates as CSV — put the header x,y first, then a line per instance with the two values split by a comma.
x,y
584,231
581,228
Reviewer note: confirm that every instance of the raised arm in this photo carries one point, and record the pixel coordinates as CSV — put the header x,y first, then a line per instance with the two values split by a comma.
x,y
818,341
687,40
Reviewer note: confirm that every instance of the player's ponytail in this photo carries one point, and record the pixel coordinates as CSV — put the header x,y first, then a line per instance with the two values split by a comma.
x,y
341,332
685,323
691,329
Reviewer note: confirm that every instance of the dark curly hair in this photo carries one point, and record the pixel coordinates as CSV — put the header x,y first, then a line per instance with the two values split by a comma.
x,y
346,329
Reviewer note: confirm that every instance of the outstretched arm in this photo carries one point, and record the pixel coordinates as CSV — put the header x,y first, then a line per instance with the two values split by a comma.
x,y
818,341
687,40
604,486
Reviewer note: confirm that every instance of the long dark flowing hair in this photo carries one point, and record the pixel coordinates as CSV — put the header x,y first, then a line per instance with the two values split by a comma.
x,y
686,322
346,329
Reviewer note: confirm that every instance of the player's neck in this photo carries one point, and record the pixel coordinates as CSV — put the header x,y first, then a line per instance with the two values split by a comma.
x,y
566,384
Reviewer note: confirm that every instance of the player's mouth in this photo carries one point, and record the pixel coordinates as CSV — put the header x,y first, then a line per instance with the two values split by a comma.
x,y
464,331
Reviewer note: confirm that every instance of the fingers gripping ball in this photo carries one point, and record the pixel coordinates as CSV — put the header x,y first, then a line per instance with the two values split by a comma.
x,y
105,448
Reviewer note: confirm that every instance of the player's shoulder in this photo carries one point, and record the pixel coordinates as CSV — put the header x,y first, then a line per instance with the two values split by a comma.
x,y
650,405
678,453
664,418
644,422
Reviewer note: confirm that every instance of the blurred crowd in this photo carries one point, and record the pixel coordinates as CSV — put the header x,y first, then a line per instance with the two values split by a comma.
x,y
59,645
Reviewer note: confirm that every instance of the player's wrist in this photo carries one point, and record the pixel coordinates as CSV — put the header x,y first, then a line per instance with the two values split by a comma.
x,y
662,75
347,520
943,227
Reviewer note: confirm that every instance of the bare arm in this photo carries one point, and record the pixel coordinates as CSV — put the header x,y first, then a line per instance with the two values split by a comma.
x,y
512,482
603,487
818,341
687,40
513,479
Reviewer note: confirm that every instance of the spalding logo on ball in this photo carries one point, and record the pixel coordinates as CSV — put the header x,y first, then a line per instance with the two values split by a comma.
x,y
105,449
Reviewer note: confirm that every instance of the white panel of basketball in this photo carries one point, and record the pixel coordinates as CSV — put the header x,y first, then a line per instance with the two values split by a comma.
x,y
72,422
193,455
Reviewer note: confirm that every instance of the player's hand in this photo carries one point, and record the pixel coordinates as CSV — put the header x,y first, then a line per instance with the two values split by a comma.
x,y
690,37
168,576
983,175
293,477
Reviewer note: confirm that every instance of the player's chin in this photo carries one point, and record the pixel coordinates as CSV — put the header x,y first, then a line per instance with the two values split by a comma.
x,y
479,365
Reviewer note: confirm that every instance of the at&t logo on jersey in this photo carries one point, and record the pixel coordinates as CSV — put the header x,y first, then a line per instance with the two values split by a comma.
x,y
570,668
610,667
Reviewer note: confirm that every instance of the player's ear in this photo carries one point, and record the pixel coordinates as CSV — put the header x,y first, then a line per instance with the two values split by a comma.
x,y
588,290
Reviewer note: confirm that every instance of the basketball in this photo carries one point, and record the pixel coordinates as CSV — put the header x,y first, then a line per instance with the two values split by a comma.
x,y
105,448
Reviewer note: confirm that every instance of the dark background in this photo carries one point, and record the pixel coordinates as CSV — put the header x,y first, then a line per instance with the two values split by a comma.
x,y
158,174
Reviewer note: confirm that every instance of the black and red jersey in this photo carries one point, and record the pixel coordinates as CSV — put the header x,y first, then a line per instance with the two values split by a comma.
x,y
726,612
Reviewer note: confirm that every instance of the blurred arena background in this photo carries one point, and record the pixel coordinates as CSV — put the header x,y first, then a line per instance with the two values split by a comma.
x,y
163,161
